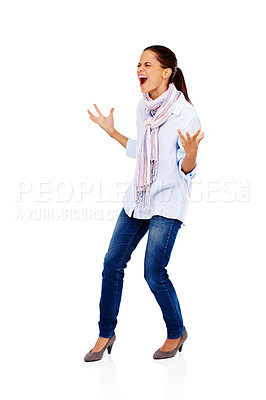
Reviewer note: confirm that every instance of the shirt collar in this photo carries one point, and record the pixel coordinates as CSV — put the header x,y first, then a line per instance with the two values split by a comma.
x,y
179,104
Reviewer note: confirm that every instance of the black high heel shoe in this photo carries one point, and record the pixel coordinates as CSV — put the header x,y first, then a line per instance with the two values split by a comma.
x,y
98,355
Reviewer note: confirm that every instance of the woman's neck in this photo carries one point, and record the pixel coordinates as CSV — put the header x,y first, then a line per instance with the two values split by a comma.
x,y
154,94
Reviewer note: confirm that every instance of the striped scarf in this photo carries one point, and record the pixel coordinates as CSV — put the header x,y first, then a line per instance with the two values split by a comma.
x,y
156,113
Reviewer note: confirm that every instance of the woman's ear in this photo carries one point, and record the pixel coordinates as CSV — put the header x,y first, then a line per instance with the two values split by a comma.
x,y
167,73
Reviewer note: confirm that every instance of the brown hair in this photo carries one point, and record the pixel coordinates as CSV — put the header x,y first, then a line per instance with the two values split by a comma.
x,y
168,59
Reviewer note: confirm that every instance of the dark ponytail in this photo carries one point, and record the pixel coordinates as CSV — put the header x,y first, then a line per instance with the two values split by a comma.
x,y
168,60
180,84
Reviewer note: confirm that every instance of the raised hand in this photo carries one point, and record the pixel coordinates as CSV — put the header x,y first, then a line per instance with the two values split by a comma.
x,y
189,143
106,123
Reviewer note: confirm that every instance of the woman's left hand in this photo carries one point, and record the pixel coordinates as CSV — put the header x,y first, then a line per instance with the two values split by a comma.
x,y
189,143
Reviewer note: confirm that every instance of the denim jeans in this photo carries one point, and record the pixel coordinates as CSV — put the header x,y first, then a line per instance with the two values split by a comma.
x,y
127,234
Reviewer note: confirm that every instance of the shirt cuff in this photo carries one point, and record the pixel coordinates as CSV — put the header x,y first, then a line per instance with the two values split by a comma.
x,y
189,175
131,147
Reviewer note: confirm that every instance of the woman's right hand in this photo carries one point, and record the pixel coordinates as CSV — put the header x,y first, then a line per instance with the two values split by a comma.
x,y
106,123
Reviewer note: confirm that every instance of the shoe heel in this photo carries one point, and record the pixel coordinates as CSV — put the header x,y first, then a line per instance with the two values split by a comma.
x,y
180,348
109,348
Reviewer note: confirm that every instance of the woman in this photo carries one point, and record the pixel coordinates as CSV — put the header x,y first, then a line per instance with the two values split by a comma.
x,y
156,199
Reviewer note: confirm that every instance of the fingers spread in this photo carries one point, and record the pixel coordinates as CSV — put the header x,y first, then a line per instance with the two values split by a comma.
x,y
201,137
188,136
91,115
180,134
196,134
97,109
94,119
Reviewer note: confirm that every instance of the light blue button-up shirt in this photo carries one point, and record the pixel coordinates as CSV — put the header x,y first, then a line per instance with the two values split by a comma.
x,y
171,190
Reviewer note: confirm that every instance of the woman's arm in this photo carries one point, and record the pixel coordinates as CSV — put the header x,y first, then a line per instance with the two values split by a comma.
x,y
129,144
190,145
119,137
187,149
188,164
107,124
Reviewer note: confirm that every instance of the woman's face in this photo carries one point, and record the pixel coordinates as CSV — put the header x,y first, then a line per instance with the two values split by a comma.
x,y
157,78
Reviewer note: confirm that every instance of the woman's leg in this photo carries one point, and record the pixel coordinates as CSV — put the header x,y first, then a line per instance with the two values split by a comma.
x,y
161,239
127,234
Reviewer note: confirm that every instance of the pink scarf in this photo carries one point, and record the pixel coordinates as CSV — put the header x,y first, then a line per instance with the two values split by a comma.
x,y
156,113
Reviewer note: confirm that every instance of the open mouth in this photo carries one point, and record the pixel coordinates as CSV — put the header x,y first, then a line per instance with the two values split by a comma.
x,y
142,80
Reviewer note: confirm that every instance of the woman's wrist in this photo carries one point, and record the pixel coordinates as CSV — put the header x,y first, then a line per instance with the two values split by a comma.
x,y
188,163
112,132
119,137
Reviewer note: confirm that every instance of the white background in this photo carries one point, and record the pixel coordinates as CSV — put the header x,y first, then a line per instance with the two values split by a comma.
x,y
58,58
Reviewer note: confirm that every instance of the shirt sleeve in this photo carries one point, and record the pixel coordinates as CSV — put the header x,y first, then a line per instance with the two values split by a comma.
x,y
192,128
131,148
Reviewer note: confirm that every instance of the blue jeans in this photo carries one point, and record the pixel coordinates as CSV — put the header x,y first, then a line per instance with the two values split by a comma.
x,y
127,234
